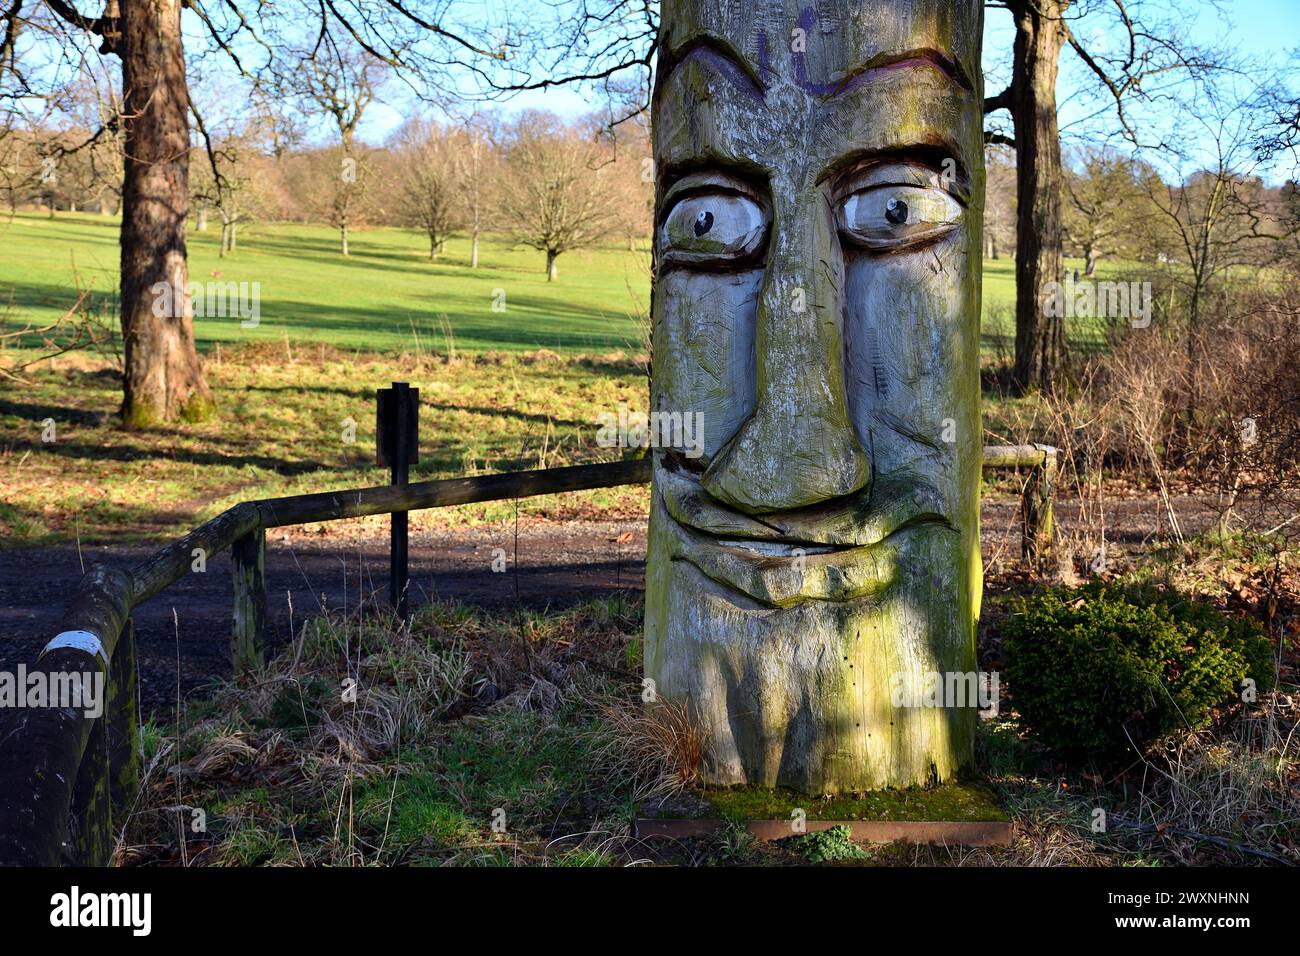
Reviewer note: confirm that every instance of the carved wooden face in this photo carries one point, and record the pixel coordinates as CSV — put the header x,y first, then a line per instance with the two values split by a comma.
x,y
817,304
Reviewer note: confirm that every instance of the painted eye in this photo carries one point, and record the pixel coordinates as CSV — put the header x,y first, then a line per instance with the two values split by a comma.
x,y
898,216
713,227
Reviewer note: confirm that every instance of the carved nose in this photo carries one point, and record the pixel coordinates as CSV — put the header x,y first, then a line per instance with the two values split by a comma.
x,y
799,446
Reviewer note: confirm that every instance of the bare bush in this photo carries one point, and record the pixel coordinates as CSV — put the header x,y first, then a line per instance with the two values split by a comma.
x,y
1213,408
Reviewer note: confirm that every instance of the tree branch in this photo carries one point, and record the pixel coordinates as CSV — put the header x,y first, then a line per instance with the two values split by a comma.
x,y
1000,102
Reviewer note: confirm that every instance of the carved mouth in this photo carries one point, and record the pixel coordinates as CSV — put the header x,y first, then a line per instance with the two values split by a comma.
x,y
855,521
835,551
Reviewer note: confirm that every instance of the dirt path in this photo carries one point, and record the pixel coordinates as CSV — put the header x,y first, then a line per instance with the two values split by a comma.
x,y
558,564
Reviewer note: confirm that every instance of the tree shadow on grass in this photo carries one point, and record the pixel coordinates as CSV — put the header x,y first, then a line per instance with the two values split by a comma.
x,y
90,451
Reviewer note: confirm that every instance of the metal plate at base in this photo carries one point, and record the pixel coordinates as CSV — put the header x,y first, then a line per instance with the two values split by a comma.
x,y
944,832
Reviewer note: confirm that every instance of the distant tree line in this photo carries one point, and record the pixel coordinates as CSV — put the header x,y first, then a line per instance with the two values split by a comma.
x,y
552,184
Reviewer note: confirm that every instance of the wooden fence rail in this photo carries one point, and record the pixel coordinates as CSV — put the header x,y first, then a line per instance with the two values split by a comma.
x,y
67,772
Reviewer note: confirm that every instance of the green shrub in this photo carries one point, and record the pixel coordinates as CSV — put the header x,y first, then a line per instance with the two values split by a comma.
x,y
832,845
1091,668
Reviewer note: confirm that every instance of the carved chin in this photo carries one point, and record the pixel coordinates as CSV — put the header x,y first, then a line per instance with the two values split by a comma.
x,y
840,552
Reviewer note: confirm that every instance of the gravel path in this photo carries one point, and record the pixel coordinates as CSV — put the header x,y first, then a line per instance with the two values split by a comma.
x,y
558,564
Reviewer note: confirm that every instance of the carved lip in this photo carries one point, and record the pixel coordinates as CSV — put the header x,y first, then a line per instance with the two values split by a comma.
x,y
838,551
853,522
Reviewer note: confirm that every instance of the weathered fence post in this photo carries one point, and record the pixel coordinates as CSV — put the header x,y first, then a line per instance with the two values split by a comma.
x,y
1037,533
248,624
90,817
122,716
397,445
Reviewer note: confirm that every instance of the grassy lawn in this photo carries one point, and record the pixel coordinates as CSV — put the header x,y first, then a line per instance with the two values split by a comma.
x,y
500,391
387,296
282,428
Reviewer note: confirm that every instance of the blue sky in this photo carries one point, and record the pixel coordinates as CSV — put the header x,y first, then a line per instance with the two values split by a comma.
x,y
1265,29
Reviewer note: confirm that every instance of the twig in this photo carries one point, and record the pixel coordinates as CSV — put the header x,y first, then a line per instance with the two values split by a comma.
x,y
1161,828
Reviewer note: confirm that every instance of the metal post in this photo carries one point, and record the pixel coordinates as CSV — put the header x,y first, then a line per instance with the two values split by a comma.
x,y
398,447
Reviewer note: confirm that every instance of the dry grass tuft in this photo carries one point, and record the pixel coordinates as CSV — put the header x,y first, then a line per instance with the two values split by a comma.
x,y
655,746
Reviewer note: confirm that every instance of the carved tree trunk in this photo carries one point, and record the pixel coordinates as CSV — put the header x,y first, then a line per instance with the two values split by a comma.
x,y
163,373
1040,338
813,559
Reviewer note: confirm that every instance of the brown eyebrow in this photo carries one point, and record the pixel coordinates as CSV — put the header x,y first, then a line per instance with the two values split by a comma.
x,y
924,57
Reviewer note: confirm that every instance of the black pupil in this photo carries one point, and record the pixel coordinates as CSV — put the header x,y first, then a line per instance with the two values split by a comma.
x,y
703,223
896,211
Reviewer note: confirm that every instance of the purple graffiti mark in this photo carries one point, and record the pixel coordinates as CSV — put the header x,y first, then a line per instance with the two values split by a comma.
x,y
807,18
723,61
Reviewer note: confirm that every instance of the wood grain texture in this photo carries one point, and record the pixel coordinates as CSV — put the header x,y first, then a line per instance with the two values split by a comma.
x,y
824,549
248,613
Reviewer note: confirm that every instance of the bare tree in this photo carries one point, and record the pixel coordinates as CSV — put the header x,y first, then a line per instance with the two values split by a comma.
x,y
163,376
341,80
228,178
555,194
1220,216
1145,47
476,162
427,171
1105,199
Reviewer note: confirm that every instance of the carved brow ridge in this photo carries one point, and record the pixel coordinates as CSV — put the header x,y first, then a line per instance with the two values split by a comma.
x,y
722,57
737,68
908,58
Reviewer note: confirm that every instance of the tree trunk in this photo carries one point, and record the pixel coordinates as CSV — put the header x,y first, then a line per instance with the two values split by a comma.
x,y
1090,263
1040,338
815,376
433,247
473,251
163,373
203,219
343,238
551,271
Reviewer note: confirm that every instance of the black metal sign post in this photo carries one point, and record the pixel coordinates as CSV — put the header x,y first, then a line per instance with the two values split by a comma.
x,y
397,432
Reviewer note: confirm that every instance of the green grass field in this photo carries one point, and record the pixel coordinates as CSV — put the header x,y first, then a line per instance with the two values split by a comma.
x,y
332,330
387,296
